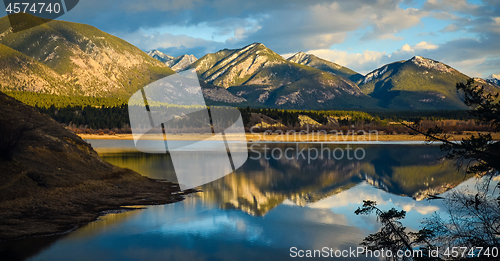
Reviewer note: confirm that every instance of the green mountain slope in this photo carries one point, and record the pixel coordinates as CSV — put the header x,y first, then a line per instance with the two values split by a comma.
x,y
322,64
264,78
418,83
72,59
21,72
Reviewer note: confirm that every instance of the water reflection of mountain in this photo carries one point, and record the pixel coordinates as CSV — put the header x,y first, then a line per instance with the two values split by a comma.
x,y
262,184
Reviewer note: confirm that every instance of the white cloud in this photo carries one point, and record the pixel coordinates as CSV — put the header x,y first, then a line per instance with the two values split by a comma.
x,y
416,48
319,26
422,209
361,62
368,61
425,46
164,41
406,48
473,66
449,5
364,191
470,66
450,28
161,5
283,25
389,22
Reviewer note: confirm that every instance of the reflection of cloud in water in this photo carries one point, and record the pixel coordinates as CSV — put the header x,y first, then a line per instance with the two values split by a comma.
x,y
424,210
324,216
349,197
348,201
219,224
283,227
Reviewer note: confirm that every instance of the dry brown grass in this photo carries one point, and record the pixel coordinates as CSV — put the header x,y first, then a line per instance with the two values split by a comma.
x,y
55,181
47,211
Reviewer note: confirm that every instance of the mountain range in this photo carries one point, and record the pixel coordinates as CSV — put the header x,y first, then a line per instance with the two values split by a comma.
x,y
305,81
71,59
265,79
262,78
67,58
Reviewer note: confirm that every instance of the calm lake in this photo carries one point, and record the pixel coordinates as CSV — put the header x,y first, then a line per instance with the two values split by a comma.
x,y
266,207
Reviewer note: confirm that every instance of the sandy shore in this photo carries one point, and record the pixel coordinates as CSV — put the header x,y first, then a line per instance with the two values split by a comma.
x,y
253,137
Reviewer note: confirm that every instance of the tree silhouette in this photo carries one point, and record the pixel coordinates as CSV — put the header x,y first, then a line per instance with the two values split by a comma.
x,y
474,216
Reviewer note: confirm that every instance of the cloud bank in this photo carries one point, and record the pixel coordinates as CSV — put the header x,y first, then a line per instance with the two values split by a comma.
x,y
360,34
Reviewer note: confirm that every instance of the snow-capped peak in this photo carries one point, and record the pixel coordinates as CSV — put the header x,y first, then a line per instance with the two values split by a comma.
x,y
430,64
494,78
182,62
160,56
299,57
375,74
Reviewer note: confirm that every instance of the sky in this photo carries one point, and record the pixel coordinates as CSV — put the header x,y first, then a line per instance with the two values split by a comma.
x,y
360,34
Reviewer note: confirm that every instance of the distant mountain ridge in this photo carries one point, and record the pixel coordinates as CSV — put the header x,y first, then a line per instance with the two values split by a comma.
x,y
418,83
160,56
71,59
179,63
264,78
322,64
182,62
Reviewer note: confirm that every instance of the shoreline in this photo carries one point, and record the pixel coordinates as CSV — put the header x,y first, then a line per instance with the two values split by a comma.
x,y
257,137
54,182
65,209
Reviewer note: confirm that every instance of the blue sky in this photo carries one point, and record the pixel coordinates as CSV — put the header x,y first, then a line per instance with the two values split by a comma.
x,y
360,34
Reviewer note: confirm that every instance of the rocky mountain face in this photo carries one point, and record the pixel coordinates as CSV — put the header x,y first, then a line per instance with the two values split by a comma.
x,y
215,95
179,63
318,63
418,83
264,78
71,59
